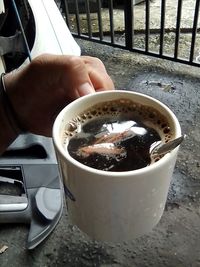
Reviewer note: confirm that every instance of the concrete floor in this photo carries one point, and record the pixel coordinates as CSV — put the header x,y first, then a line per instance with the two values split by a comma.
x,y
175,241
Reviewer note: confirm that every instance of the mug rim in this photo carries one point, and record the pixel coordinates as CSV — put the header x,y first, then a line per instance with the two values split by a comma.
x,y
64,153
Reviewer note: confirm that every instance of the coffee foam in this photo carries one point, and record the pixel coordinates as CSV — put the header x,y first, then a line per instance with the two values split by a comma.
x,y
122,107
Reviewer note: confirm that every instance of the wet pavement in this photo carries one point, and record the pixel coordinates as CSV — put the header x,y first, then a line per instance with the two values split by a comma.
x,y
175,241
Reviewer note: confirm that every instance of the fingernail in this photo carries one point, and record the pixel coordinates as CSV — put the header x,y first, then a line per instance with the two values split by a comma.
x,y
85,89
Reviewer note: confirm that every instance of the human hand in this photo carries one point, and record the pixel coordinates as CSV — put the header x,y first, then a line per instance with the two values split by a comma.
x,y
39,91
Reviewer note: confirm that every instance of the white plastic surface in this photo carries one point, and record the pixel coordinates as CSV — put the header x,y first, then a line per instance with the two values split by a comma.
x,y
52,33
2,9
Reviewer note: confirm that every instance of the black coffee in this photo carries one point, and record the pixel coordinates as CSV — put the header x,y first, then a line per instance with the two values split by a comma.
x,y
116,135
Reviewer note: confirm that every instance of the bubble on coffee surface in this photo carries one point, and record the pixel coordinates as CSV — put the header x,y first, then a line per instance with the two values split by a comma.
x,y
116,135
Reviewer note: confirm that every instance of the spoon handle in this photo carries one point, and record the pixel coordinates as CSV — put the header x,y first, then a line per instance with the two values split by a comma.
x,y
167,147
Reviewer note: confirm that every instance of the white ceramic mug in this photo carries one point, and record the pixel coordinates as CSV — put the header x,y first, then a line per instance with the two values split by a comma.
x,y
114,206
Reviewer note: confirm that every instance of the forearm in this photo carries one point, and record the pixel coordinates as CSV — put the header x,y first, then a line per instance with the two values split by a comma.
x,y
8,130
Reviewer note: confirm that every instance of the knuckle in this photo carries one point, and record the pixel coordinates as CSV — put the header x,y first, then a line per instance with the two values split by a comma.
x,y
98,61
75,61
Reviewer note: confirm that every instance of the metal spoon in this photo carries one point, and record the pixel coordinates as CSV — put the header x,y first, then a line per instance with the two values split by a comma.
x,y
161,148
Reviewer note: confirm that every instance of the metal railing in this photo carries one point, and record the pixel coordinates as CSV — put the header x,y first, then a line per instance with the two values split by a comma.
x,y
166,29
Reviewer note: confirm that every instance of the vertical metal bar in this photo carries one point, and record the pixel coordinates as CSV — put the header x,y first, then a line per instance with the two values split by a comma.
x,y
66,13
162,25
194,30
178,26
87,7
77,18
147,31
133,24
128,10
100,20
112,33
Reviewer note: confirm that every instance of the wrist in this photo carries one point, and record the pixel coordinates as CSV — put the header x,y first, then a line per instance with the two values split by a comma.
x,y
8,109
9,127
